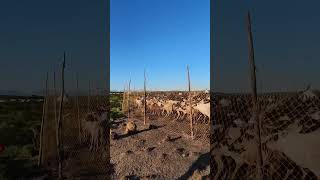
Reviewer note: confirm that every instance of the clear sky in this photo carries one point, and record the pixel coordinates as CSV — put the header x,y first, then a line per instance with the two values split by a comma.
x,y
286,39
34,34
162,36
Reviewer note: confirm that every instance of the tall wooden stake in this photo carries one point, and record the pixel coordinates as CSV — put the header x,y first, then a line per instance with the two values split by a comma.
x,y
190,101
89,93
44,113
254,97
78,109
55,106
123,98
145,99
55,97
129,100
59,134
97,95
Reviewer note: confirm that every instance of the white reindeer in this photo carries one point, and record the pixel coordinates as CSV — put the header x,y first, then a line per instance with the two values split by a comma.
x,y
95,130
204,108
168,107
139,103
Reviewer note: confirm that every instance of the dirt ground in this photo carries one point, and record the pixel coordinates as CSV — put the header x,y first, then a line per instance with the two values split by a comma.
x,y
165,151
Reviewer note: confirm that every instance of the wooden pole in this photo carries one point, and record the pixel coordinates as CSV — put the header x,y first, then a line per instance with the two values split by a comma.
x,y
129,100
44,113
55,97
59,134
145,99
123,98
254,97
78,108
47,104
190,102
97,95
89,93
55,106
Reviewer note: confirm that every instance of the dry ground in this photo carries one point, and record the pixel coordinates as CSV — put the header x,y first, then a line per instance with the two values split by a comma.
x,y
149,154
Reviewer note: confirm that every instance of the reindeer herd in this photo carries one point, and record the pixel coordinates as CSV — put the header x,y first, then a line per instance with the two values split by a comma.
x,y
94,125
177,105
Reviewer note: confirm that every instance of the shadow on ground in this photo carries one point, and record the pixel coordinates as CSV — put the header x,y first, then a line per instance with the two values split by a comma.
x,y
137,132
200,164
116,124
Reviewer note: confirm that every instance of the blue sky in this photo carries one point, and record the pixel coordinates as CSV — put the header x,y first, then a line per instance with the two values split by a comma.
x,y
35,33
162,36
286,41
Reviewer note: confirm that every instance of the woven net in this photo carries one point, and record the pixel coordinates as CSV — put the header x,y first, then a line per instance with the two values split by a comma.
x,y
79,159
288,121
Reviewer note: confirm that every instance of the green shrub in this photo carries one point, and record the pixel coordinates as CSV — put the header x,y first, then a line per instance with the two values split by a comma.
x,y
116,113
115,101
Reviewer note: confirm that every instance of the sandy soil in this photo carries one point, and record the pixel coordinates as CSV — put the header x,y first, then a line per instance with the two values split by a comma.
x,y
165,152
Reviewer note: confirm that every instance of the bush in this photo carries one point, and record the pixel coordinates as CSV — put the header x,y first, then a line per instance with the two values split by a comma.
x,y
116,113
115,101
16,120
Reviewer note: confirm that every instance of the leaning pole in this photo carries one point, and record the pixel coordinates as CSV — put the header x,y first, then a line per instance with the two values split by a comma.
x,y
254,97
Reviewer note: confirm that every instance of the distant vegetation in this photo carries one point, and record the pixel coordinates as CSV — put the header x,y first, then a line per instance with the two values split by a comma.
x,y
115,102
18,120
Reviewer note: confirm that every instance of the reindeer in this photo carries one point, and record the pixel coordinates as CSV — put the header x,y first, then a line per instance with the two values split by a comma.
x,y
139,103
150,105
95,130
203,108
168,107
157,108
